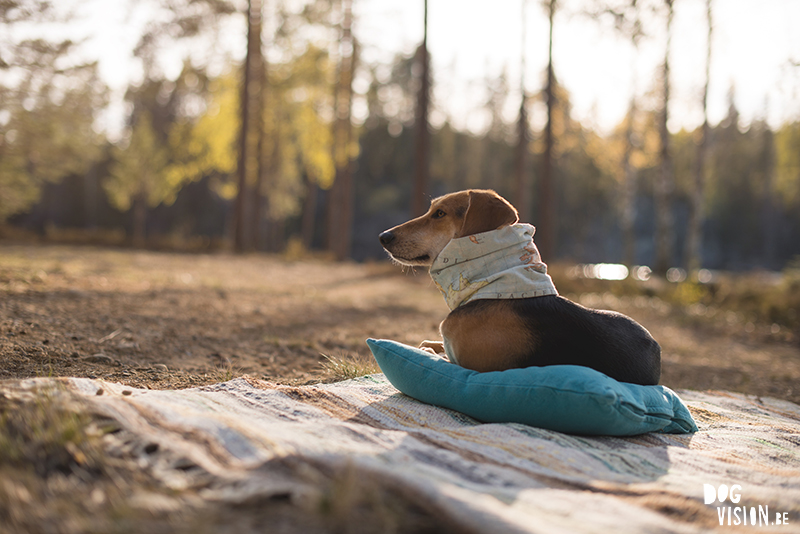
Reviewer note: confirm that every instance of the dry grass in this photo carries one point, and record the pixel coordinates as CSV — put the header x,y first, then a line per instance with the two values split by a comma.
x,y
344,366
44,434
54,475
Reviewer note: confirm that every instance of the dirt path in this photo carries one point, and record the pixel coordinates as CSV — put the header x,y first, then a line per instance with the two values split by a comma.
x,y
163,320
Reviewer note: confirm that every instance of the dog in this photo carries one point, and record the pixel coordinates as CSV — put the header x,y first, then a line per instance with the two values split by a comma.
x,y
505,310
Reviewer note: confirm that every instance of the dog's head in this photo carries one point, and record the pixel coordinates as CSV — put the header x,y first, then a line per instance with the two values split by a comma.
x,y
459,214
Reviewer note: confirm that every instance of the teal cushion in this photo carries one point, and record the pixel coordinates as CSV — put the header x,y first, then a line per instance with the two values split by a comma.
x,y
565,398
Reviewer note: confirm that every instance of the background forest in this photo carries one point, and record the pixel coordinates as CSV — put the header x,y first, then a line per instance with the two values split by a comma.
x,y
267,153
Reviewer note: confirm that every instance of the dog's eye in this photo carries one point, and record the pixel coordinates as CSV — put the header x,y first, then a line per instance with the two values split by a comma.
x,y
439,214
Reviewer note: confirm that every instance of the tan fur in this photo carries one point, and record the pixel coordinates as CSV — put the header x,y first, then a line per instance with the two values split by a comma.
x,y
420,240
488,341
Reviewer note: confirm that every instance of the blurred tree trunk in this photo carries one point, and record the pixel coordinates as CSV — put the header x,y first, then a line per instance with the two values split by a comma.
x,y
328,216
665,180
240,234
260,198
341,200
309,214
271,171
629,189
630,175
332,204
521,181
547,198
694,236
90,185
139,212
769,203
420,190
275,234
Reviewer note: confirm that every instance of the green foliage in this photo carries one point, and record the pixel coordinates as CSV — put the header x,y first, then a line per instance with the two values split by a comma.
x,y
181,20
690,292
787,164
48,104
296,125
739,188
139,169
206,147
46,122
298,128
187,130
17,190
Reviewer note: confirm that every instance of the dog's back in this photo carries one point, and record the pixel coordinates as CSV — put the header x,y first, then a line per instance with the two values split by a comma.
x,y
561,332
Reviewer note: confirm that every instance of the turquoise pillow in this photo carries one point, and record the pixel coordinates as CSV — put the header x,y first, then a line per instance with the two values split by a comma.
x,y
565,398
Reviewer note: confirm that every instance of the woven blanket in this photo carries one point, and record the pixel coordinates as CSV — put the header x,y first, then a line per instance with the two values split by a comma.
x,y
485,477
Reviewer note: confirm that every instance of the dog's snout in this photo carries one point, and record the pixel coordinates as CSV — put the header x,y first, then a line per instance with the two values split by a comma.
x,y
386,237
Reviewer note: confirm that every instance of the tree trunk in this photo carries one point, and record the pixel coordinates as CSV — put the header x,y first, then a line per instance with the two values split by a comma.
x,y
271,171
259,66
694,236
328,216
665,181
333,214
769,203
521,181
547,199
309,214
342,192
420,190
275,234
240,234
139,212
90,195
629,191
332,195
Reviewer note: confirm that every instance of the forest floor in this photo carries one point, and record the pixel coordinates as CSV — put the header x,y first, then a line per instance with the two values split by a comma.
x,y
164,320
167,320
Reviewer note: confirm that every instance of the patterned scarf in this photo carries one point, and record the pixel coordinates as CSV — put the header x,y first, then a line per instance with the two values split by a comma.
x,y
501,264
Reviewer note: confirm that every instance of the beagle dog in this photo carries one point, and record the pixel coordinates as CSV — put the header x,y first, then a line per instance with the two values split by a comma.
x,y
505,310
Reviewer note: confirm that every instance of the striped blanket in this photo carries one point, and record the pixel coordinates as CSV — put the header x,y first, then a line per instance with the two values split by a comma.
x,y
484,477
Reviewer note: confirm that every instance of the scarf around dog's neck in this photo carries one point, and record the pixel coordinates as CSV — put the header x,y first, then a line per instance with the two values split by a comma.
x,y
501,264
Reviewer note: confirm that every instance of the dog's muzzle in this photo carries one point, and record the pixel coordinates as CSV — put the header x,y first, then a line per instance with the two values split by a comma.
x,y
386,237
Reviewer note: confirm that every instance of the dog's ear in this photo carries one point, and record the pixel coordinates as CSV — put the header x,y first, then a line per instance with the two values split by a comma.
x,y
487,211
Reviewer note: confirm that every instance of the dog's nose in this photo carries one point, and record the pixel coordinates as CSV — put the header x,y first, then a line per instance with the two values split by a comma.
x,y
386,237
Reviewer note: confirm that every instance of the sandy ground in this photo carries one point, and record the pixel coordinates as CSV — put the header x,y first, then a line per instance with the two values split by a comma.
x,y
163,320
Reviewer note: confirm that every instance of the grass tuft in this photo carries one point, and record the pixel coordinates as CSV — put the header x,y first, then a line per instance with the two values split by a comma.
x,y
45,434
226,371
344,366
